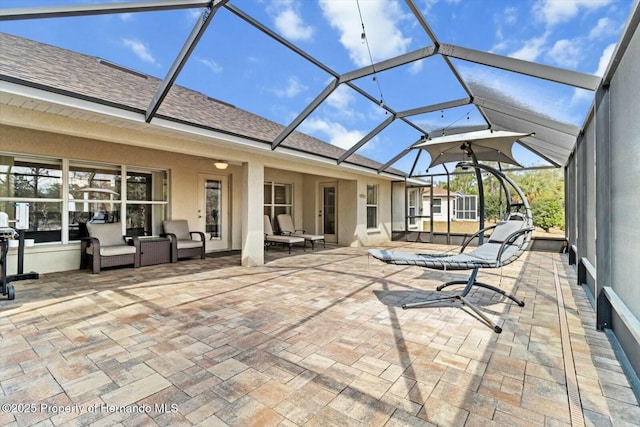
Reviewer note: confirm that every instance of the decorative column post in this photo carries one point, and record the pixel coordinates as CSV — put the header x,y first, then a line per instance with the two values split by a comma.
x,y
252,213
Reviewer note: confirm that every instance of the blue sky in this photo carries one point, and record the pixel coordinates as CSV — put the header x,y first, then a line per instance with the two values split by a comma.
x,y
238,64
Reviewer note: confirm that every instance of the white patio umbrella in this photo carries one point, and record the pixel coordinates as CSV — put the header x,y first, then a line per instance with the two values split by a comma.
x,y
487,145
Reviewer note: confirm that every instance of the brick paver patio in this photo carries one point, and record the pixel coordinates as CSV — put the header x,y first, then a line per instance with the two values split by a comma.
x,y
314,339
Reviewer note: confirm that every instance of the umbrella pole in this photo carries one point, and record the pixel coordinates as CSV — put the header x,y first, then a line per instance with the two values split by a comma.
x,y
480,196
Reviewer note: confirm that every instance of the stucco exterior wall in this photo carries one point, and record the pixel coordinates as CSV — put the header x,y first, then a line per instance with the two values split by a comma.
x,y
35,133
183,169
183,192
382,233
310,208
297,180
446,208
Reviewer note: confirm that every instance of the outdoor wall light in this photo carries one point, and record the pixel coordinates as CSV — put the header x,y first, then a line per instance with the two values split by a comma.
x,y
221,164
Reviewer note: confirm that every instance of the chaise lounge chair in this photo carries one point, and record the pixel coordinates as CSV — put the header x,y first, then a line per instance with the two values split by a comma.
x,y
508,241
271,239
287,228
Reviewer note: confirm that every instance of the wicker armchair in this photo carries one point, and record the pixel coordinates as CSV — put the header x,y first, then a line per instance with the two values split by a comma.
x,y
107,247
183,244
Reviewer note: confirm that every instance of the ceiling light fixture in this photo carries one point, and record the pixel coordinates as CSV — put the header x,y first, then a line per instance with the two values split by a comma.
x,y
221,164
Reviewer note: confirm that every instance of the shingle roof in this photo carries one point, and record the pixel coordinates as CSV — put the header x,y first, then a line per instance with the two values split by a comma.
x,y
62,70
437,191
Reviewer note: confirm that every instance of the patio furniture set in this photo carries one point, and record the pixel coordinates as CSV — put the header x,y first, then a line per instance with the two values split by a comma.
x,y
107,247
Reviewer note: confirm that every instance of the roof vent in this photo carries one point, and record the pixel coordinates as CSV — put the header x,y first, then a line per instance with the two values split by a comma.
x,y
121,68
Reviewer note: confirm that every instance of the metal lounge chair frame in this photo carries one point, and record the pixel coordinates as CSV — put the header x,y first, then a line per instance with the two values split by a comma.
x,y
509,240
271,239
288,229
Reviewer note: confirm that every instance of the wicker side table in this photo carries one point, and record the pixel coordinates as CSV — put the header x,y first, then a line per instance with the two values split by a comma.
x,y
155,250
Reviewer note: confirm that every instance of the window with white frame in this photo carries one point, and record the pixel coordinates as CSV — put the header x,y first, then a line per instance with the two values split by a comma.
x,y
147,198
414,197
33,186
437,206
278,199
372,206
94,196
466,207
81,193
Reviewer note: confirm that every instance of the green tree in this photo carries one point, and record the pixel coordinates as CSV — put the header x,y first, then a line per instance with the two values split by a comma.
x,y
543,188
548,212
540,183
492,206
464,183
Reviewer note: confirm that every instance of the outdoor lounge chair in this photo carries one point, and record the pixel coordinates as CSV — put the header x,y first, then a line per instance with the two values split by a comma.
x,y
107,247
271,239
183,244
508,241
287,228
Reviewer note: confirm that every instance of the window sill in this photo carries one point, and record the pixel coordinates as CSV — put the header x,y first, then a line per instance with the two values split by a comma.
x,y
373,231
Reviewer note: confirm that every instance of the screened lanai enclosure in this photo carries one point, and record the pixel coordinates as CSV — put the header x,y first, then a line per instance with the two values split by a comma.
x,y
378,115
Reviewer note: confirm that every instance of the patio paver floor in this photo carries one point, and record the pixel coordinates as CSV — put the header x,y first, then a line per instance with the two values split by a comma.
x,y
315,339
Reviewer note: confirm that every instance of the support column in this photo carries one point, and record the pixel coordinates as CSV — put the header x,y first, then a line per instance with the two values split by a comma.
x,y
252,213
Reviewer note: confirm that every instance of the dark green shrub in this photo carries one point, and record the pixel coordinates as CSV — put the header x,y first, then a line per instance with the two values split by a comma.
x,y
548,212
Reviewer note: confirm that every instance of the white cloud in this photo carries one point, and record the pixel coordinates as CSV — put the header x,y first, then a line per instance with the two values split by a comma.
x,y
125,17
341,98
510,15
340,105
194,14
605,58
415,67
506,17
288,20
532,49
501,45
139,49
293,88
583,95
381,18
566,53
428,4
337,134
604,27
212,65
291,26
553,12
